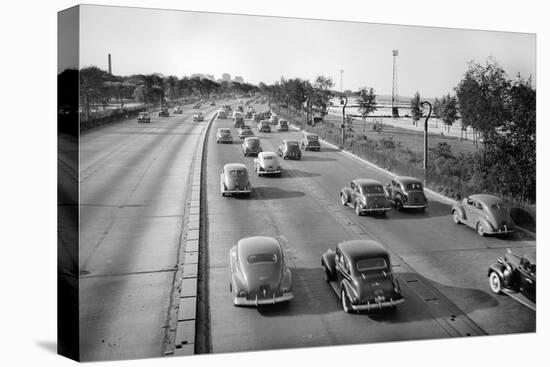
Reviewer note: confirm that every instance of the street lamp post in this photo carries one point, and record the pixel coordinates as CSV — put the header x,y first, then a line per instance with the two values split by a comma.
x,y
342,99
426,134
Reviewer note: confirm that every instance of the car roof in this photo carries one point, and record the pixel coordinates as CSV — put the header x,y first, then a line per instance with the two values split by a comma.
x,y
486,199
356,249
290,141
366,181
251,138
407,179
258,245
234,166
224,129
267,154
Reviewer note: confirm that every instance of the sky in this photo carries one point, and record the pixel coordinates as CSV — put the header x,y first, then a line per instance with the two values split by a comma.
x,y
173,42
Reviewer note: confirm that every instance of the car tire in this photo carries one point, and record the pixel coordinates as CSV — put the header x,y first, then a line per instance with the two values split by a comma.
x,y
346,305
343,199
230,288
422,210
456,217
495,282
479,229
398,204
357,209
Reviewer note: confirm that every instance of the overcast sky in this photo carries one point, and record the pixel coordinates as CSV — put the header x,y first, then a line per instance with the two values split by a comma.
x,y
431,60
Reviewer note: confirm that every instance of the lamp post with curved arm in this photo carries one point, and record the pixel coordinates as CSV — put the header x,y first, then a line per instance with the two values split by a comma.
x,y
342,99
426,134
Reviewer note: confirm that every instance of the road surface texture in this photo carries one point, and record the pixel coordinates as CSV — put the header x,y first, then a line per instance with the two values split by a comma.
x,y
134,182
442,267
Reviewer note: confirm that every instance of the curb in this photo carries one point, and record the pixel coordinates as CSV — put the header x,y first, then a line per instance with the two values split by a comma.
x,y
187,283
432,193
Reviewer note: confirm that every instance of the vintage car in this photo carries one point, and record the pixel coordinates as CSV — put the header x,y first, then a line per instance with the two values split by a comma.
x,y
365,196
257,117
143,117
178,110
212,103
406,192
238,119
267,164
283,125
289,149
198,105
259,274
227,108
310,142
164,112
222,115
245,132
274,119
251,146
515,273
263,126
223,135
234,180
198,117
360,272
484,213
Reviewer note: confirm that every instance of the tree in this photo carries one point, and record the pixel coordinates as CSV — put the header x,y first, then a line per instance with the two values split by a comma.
x,y
367,103
92,86
322,93
449,110
482,97
416,108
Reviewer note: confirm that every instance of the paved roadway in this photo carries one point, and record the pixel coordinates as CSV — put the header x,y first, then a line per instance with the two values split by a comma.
x,y
442,266
134,179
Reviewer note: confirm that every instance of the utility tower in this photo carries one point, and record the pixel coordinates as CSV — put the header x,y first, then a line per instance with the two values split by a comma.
x,y
394,95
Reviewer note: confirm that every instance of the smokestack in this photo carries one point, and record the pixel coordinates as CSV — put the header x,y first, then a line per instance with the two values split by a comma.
x,y
110,71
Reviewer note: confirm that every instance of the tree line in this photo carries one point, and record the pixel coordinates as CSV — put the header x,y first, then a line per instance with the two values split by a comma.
x,y
98,87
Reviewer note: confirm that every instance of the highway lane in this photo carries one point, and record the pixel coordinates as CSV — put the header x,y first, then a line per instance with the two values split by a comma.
x,y
134,180
442,266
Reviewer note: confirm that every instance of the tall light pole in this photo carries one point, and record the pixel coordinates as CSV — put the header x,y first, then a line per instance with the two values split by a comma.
x,y
394,93
426,135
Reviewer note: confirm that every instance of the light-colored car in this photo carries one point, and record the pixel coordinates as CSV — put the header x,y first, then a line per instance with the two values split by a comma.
x,y
223,135
365,196
198,117
406,193
222,115
361,274
267,163
245,132
283,125
259,274
289,149
234,180
485,213
251,146
144,117
178,110
238,119
263,126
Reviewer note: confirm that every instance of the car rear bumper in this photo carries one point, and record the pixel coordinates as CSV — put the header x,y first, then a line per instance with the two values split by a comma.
x,y
245,191
243,301
371,210
500,231
377,305
272,172
415,206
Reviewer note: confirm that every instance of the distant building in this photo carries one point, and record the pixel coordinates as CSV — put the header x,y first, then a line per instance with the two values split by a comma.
x,y
238,79
226,77
203,76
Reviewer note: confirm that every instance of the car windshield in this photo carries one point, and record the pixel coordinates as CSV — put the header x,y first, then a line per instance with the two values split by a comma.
x,y
262,258
292,144
413,186
371,264
237,173
373,189
312,137
283,123
253,142
225,132
268,157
